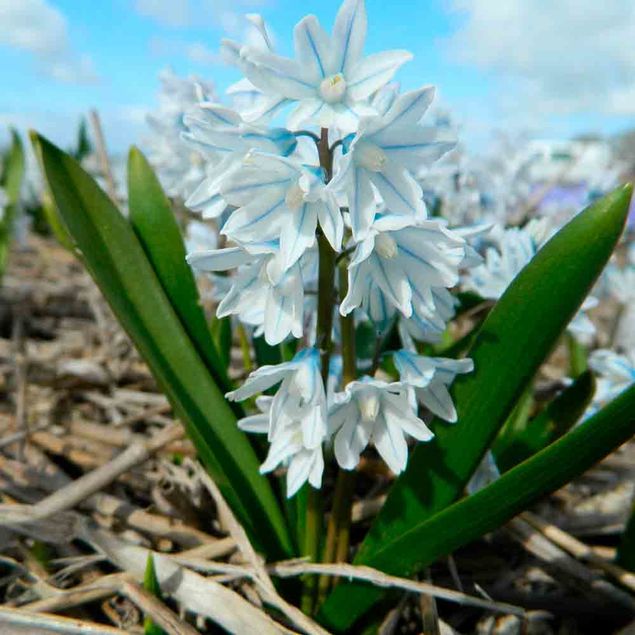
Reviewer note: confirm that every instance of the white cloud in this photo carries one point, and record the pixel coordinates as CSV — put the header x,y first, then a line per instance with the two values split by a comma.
x,y
172,13
38,28
564,56
228,14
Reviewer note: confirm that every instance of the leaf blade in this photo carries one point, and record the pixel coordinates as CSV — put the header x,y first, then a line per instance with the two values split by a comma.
x,y
513,341
116,260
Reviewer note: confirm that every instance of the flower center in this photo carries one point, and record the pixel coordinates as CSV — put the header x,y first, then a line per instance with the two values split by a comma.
x,y
369,156
294,198
386,246
333,88
369,406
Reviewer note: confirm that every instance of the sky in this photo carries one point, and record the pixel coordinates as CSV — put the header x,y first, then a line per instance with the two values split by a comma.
x,y
552,68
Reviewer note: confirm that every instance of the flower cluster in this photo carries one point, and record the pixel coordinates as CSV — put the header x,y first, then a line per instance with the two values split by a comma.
x,y
335,188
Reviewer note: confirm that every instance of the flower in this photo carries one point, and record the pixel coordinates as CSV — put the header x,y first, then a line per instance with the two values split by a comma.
x,y
406,266
515,248
303,464
615,372
386,154
179,167
225,139
431,377
300,399
329,79
263,293
373,410
278,198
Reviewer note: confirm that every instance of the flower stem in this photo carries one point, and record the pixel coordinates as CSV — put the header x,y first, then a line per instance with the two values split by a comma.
x,y
338,528
326,301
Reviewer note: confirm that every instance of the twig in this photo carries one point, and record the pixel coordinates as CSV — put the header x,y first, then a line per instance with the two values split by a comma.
x,y
85,486
20,621
260,575
541,547
157,610
100,144
198,594
381,579
580,550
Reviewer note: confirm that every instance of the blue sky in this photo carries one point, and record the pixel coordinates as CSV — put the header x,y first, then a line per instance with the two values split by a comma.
x,y
512,65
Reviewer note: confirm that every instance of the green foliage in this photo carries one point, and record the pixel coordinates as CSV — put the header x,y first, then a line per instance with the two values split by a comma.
x,y
117,261
514,340
151,584
152,219
526,438
13,166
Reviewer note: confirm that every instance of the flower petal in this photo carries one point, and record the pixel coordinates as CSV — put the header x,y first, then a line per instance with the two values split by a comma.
x,y
391,444
374,72
298,233
313,48
276,75
331,221
219,259
349,34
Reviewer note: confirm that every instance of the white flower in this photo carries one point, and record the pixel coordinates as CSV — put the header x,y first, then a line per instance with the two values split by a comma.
x,y
262,294
431,377
620,282
299,400
303,464
615,372
278,198
386,154
375,411
220,134
406,265
329,78
179,167
514,250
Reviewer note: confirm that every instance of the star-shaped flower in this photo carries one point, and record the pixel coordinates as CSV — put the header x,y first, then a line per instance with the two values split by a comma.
x,y
280,199
373,410
329,78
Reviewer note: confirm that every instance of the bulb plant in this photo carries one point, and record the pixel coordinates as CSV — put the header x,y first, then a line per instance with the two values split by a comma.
x,y
341,287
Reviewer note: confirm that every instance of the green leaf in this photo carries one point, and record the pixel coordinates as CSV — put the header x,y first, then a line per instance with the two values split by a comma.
x,y
514,340
116,260
556,419
221,332
153,220
151,584
494,505
13,169
11,182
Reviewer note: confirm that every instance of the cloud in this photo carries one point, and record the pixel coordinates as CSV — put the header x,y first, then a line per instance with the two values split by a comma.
x,y
560,56
194,51
167,12
228,14
39,29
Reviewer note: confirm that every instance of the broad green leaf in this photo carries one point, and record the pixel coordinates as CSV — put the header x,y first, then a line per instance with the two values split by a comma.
x,y
556,419
515,425
13,169
492,506
116,260
12,176
153,220
514,340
